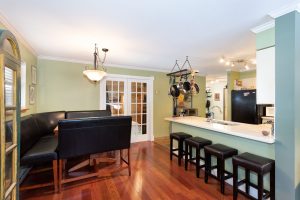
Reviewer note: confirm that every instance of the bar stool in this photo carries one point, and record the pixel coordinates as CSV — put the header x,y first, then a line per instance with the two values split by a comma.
x,y
222,153
198,143
180,137
259,165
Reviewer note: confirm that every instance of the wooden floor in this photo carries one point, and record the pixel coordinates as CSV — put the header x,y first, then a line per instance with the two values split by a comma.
x,y
154,176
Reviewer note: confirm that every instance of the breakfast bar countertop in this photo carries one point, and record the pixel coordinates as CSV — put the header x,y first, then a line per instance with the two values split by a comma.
x,y
249,131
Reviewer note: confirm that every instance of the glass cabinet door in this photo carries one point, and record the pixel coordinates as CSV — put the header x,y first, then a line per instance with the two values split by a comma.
x,y
9,114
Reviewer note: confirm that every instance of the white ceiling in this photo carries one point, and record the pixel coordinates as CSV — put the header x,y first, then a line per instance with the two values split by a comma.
x,y
146,34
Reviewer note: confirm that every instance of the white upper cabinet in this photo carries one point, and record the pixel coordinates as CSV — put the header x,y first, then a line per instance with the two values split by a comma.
x,y
265,74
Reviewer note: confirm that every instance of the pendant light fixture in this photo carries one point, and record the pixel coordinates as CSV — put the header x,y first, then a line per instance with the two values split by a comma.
x,y
98,72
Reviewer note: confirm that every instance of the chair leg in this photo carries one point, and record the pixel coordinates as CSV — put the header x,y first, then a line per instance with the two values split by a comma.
x,y
129,163
171,148
187,150
272,183
235,180
197,162
55,175
121,152
207,166
60,171
247,176
180,151
260,187
222,170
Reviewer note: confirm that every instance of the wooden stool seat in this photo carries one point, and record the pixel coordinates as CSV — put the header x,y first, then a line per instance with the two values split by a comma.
x,y
198,143
222,152
259,165
180,137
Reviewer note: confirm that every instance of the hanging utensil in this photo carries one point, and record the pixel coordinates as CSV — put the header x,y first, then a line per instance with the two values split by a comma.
x,y
174,91
186,85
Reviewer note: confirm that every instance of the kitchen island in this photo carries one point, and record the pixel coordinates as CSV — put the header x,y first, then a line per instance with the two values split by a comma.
x,y
244,137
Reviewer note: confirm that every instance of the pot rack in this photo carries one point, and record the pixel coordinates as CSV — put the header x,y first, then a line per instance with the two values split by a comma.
x,y
182,73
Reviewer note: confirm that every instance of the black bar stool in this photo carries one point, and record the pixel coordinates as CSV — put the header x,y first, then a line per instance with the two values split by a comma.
x,y
222,153
198,143
180,137
259,165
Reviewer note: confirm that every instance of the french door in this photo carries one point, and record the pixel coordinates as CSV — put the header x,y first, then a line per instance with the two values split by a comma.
x,y
132,96
9,114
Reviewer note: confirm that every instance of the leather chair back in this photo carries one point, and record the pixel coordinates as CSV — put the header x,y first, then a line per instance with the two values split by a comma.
x,y
87,113
48,121
30,133
80,137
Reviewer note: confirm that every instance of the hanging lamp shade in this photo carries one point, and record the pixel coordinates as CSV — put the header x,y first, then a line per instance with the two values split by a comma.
x,y
94,74
98,72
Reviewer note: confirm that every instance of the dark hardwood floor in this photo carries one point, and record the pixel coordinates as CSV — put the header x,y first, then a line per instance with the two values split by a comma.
x,y
154,176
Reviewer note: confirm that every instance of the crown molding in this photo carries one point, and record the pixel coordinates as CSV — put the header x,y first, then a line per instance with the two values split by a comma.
x,y
19,37
106,65
263,27
295,6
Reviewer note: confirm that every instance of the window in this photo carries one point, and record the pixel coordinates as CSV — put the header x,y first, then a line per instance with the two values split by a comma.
x,y
9,86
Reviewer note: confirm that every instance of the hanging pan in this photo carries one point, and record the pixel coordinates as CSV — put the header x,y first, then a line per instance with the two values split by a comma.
x,y
174,91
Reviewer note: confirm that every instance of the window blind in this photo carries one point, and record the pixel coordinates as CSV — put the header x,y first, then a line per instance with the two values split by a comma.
x,y
8,82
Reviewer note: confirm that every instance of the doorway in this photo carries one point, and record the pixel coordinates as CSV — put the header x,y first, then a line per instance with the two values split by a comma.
x,y
130,95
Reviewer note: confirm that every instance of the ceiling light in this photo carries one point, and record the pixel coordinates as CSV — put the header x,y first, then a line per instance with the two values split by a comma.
x,y
232,64
246,67
227,63
99,71
221,60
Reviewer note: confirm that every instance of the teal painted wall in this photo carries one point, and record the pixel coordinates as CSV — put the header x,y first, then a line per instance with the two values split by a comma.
x,y
287,94
265,39
30,59
63,87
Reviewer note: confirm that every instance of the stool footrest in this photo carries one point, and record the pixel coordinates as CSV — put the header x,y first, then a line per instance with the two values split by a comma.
x,y
243,181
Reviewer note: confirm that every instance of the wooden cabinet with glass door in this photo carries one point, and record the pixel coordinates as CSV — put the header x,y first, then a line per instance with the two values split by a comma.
x,y
9,114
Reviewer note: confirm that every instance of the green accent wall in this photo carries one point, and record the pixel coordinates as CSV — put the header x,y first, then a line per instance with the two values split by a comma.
x,y
30,59
265,39
62,86
248,74
287,95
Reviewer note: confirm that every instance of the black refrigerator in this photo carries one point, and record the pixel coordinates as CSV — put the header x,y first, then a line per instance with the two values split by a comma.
x,y
243,106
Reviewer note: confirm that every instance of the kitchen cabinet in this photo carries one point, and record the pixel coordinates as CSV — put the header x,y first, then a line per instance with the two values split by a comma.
x,y
265,76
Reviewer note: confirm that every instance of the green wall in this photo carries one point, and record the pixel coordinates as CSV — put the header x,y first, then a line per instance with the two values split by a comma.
x,y
63,87
30,59
265,39
287,95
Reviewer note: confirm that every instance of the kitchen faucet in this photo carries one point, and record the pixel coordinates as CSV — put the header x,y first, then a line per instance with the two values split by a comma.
x,y
218,107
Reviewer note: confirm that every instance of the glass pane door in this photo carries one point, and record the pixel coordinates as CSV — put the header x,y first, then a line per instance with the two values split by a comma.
x,y
115,94
126,96
138,109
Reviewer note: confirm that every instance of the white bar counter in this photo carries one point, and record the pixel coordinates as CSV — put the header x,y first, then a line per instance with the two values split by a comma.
x,y
248,131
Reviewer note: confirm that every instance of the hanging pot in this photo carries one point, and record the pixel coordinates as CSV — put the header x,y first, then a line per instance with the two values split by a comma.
x,y
195,88
187,86
174,91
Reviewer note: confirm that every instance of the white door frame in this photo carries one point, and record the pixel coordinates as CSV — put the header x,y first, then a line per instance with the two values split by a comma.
x,y
149,81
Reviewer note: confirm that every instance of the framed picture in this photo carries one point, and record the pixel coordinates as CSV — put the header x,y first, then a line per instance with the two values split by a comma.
x,y
217,97
33,74
31,94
